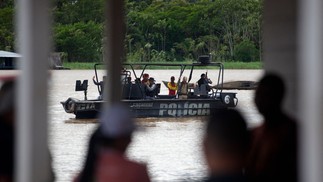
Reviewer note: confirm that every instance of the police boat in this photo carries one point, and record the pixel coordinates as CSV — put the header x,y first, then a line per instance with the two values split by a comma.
x,y
199,100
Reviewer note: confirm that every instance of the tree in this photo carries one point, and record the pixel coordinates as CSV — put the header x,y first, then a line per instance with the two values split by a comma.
x,y
81,41
6,26
246,51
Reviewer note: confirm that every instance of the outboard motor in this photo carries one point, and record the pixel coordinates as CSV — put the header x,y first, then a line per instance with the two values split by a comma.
x,y
82,87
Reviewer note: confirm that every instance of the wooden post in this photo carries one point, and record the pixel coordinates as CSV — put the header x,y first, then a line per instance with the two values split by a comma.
x,y
114,49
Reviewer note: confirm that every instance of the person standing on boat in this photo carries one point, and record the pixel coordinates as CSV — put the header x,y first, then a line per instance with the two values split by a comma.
x,y
151,88
172,86
101,85
183,89
204,81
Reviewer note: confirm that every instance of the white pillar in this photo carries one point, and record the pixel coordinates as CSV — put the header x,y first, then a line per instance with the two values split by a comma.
x,y
114,48
311,89
32,164
279,45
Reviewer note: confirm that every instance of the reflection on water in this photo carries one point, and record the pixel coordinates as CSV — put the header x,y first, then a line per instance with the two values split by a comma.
x,y
170,147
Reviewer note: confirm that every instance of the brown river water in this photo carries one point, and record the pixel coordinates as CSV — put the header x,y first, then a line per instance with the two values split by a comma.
x,y
171,148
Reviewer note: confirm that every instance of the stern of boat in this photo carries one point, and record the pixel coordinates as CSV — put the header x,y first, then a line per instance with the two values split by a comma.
x,y
229,99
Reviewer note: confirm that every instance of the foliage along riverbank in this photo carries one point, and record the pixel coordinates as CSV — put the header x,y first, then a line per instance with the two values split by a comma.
x,y
227,65
168,30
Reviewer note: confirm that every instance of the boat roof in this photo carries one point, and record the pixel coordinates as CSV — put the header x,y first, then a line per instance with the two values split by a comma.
x,y
176,64
8,54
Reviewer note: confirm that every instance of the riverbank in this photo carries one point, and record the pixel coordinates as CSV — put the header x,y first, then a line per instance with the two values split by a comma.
x,y
227,65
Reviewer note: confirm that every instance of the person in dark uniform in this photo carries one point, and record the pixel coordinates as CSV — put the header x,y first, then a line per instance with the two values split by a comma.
x,y
204,81
151,88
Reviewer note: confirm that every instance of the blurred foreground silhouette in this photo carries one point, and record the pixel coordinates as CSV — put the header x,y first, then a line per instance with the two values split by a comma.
x,y
225,146
7,118
106,160
273,152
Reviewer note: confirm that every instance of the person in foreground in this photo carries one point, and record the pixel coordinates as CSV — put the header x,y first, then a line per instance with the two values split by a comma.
x,y
8,124
106,159
225,146
273,152
7,120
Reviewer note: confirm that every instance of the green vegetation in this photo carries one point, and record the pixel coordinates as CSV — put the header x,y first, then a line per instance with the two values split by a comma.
x,y
79,65
157,30
227,65
242,65
6,25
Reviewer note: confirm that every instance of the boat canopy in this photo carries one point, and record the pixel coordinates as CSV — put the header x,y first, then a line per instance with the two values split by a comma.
x,y
7,54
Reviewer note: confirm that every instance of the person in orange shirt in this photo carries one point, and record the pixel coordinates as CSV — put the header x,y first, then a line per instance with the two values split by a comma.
x,y
106,159
172,86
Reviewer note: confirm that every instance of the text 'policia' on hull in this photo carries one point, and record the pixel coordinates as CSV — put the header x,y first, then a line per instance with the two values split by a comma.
x,y
200,100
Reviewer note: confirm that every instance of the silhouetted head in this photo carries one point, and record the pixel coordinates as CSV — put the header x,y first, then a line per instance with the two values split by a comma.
x,y
269,94
226,140
172,78
203,75
117,126
227,129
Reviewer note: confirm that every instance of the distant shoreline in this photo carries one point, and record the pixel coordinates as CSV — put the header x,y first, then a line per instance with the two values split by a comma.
x,y
227,65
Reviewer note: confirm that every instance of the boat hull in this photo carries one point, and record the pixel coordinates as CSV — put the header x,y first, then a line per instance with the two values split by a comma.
x,y
155,107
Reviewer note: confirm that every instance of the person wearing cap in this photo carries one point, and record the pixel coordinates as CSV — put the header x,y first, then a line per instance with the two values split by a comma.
x,y
204,81
151,89
106,160
172,86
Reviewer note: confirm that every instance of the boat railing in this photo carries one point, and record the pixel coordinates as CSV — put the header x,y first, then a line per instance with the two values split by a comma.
x,y
135,90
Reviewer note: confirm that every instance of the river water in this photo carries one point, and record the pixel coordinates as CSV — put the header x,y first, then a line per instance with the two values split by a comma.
x,y
171,148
